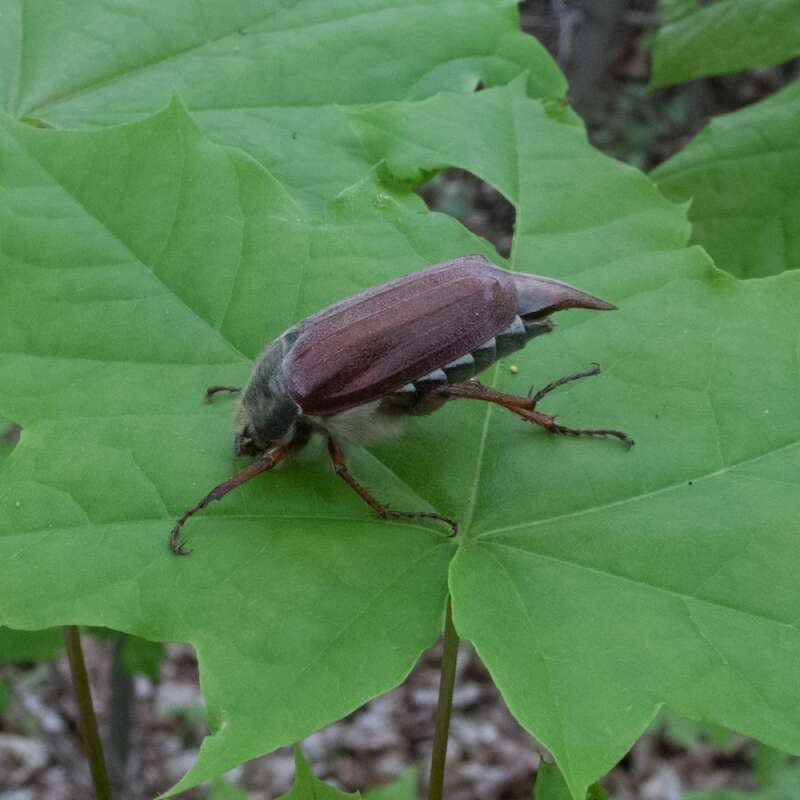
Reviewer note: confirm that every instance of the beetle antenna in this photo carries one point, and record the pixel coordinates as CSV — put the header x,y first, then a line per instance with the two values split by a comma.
x,y
212,390
268,460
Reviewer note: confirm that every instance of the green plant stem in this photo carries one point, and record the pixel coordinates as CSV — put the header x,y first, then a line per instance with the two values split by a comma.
x,y
444,706
88,721
120,708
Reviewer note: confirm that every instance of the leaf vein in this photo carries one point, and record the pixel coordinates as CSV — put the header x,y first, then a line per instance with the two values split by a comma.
x,y
642,496
169,291
647,586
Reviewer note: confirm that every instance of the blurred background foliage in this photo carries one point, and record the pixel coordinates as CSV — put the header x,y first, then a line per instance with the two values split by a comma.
x,y
605,51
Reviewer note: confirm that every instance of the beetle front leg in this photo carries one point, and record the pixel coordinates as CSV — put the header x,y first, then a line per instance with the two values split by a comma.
x,y
341,469
525,407
265,461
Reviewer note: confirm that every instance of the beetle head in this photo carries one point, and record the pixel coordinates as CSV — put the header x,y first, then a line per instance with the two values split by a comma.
x,y
267,414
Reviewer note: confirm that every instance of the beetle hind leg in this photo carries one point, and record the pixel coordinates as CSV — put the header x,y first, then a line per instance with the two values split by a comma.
x,y
341,469
594,369
525,407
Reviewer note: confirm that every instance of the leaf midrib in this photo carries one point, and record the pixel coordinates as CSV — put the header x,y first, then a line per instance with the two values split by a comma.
x,y
168,520
643,495
56,100
682,596
150,269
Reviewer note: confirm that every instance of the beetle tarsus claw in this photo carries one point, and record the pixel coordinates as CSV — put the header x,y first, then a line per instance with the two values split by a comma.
x,y
175,544
620,435
452,522
561,430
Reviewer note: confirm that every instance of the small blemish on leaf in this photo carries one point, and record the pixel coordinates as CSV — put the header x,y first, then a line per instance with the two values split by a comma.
x,y
513,369
12,433
34,122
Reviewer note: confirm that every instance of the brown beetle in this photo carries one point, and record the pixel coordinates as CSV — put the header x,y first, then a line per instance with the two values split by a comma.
x,y
353,370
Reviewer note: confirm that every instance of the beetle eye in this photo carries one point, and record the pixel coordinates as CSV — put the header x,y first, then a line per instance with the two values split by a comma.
x,y
244,445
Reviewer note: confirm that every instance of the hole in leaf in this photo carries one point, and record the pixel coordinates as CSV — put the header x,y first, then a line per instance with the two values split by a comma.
x,y
474,203
11,431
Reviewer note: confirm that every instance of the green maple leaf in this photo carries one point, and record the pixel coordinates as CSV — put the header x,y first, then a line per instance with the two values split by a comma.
x,y
275,77
550,785
308,787
149,278
669,581
723,36
750,233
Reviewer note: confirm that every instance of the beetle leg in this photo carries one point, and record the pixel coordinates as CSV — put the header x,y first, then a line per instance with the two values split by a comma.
x,y
587,373
525,407
267,460
341,469
212,390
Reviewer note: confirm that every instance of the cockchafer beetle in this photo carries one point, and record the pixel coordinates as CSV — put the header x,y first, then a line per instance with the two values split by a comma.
x,y
353,370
